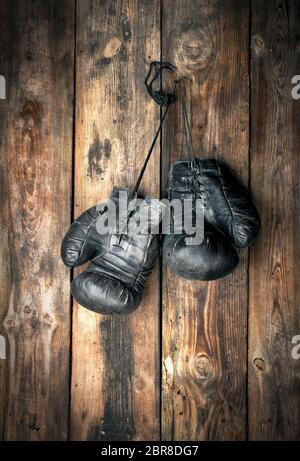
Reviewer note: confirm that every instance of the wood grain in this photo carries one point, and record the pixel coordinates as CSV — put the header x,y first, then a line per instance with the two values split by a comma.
x,y
36,158
115,367
205,324
274,399
115,382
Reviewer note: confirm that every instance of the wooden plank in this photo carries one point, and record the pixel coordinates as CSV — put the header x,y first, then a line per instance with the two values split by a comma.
x,y
5,18
205,324
115,371
36,58
274,399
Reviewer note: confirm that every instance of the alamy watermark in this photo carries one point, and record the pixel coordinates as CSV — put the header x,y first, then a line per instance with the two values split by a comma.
x,y
2,87
122,215
2,348
296,89
296,347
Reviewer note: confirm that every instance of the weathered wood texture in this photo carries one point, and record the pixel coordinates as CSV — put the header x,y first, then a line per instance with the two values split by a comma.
x,y
115,384
115,369
274,391
36,58
205,324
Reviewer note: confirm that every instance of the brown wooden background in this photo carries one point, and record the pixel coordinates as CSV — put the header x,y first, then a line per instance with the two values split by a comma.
x,y
197,361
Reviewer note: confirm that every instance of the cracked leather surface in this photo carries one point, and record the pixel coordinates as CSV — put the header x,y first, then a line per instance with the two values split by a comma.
x,y
230,219
120,262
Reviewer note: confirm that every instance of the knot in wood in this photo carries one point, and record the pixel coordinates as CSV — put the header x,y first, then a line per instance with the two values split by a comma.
x,y
259,363
48,321
202,368
112,47
258,45
195,50
31,323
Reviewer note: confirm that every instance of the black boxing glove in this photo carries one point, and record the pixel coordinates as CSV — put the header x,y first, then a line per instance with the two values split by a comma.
x,y
227,205
210,260
120,262
215,257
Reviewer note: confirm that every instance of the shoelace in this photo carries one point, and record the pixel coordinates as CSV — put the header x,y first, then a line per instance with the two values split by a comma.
x,y
190,150
162,99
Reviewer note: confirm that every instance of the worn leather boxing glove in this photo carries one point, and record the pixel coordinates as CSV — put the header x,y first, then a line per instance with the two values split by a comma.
x,y
228,207
214,257
120,261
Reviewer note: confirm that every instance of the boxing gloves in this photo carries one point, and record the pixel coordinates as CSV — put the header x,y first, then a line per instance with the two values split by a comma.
x,y
214,257
210,260
229,219
123,256
227,205
120,261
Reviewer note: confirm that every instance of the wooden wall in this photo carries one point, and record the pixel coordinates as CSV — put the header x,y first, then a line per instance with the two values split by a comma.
x,y
197,361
